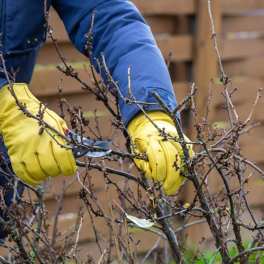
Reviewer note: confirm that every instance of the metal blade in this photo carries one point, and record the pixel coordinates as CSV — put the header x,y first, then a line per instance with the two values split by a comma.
x,y
79,152
101,144
98,154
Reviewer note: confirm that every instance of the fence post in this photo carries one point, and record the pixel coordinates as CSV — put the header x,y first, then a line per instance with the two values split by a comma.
x,y
205,60
205,68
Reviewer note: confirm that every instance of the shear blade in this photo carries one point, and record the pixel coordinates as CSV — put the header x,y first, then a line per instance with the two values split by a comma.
x,y
102,144
77,153
97,154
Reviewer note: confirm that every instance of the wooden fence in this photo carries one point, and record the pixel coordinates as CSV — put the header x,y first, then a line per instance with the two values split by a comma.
x,y
183,28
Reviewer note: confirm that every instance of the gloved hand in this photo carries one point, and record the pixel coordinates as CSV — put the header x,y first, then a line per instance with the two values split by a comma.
x,y
33,157
161,154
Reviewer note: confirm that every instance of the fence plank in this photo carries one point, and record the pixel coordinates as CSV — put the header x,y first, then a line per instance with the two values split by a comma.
x,y
180,46
241,5
241,48
205,59
205,64
242,23
45,82
247,89
246,93
243,110
165,7
161,24
48,54
253,67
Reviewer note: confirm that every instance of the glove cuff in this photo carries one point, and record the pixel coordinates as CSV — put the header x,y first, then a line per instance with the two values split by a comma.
x,y
7,101
142,119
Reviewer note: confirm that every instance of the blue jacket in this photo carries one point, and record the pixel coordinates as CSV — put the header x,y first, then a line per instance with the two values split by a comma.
x,y
119,31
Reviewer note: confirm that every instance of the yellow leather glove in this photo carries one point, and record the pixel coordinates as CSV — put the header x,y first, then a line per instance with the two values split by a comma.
x,y
161,154
34,157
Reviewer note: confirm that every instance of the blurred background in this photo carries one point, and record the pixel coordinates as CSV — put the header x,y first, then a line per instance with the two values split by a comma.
x,y
183,28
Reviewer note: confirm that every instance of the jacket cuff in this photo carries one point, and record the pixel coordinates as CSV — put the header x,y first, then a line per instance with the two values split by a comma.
x,y
3,82
144,94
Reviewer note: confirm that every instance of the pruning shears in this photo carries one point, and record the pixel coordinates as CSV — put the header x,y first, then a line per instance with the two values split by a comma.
x,y
81,151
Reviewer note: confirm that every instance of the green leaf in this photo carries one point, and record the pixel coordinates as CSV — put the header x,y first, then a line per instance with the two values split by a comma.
x,y
221,124
143,223
91,113
32,256
140,222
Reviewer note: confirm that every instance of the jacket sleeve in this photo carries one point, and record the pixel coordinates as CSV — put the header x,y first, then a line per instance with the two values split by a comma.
x,y
126,40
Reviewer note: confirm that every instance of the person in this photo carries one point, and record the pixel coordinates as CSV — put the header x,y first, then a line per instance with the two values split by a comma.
x,y
125,38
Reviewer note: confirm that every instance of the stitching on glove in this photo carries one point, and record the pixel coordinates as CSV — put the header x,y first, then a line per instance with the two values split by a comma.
x,y
40,165
54,156
24,169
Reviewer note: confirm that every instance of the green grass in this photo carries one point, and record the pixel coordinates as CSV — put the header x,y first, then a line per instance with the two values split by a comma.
x,y
209,255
